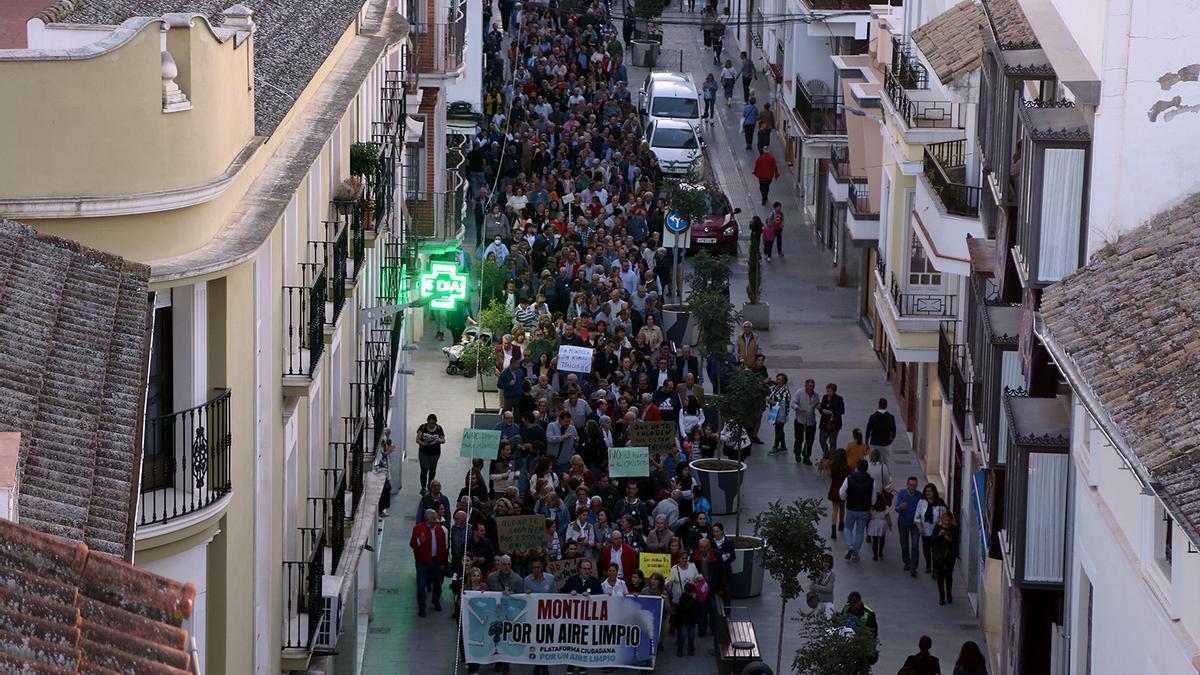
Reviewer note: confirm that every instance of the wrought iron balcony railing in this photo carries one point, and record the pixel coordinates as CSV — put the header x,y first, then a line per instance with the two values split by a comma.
x,y
945,167
922,114
303,609
304,316
185,461
821,113
858,198
922,305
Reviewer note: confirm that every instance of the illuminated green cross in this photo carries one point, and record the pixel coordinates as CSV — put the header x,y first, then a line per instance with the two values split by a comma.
x,y
444,281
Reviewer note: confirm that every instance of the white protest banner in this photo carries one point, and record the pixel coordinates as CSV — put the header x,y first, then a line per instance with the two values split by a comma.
x,y
554,629
575,359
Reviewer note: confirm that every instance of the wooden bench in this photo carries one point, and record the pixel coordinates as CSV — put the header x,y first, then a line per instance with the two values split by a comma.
x,y
732,638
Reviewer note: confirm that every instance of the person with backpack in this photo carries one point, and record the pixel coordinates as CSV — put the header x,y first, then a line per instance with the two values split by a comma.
x,y
881,428
859,492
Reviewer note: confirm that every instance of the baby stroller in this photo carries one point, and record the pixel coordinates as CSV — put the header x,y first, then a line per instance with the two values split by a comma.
x,y
454,353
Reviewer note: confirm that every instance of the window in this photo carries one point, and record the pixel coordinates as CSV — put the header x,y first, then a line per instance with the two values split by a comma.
x,y
1061,212
667,106
1164,527
684,139
920,270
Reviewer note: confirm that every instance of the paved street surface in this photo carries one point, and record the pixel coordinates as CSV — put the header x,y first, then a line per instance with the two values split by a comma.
x,y
813,334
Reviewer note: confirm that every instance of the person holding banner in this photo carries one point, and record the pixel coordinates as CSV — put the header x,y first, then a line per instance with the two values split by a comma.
x,y
612,584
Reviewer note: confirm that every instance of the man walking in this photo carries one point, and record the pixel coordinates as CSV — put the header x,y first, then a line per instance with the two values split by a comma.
x,y
765,170
831,407
805,423
766,124
510,384
749,120
430,551
881,429
910,530
748,75
859,492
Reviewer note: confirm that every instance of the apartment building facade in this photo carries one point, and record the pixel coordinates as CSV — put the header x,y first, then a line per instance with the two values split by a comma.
x,y
222,147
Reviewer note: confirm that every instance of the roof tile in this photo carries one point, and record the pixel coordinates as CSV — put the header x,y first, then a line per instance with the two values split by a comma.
x,y
951,41
1010,26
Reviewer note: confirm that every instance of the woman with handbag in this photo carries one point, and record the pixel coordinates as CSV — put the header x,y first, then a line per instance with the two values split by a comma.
x,y
779,401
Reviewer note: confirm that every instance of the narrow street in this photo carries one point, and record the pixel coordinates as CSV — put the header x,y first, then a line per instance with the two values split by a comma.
x,y
813,334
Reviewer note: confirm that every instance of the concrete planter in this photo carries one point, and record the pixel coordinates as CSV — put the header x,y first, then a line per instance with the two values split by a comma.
x,y
747,569
644,52
678,326
759,315
486,382
720,479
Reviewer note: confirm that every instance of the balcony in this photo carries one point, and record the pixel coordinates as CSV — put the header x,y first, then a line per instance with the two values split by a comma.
x,y
839,162
304,316
819,114
185,463
304,607
331,254
925,117
846,5
440,45
951,376
946,169
921,305
858,197
909,70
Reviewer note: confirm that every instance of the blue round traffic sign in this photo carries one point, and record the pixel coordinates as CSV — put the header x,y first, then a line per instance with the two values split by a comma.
x,y
675,222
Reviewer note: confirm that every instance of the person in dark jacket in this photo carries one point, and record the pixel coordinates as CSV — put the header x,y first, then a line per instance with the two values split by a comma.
x,y
881,428
687,615
924,663
831,408
859,491
944,548
583,582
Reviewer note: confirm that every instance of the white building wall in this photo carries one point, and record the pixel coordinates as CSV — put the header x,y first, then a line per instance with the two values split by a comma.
x,y
1142,620
189,566
1139,166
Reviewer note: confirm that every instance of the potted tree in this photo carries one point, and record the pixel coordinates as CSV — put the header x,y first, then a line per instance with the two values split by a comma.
x,y
792,550
644,51
831,647
754,309
496,319
711,311
363,158
741,402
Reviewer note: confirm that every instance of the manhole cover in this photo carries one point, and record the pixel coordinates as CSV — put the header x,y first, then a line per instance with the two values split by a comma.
x,y
786,348
379,630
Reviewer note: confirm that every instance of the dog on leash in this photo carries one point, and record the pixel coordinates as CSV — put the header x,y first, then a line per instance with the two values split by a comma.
x,y
822,466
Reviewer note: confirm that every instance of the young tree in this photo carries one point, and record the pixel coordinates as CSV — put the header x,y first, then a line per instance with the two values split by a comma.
x,y
794,550
833,648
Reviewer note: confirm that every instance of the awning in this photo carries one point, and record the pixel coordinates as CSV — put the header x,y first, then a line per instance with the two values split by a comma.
x,y
1038,422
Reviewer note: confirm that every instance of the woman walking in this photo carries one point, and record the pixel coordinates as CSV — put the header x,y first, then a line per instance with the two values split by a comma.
x,y
929,513
779,402
710,96
944,546
838,470
970,660
879,471
728,77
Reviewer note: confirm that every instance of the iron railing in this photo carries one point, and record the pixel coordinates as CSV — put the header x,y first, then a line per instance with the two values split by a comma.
x,y
921,114
185,461
821,113
358,241
945,166
839,162
922,305
303,608
304,307
440,44
946,355
858,198
332,254
908,68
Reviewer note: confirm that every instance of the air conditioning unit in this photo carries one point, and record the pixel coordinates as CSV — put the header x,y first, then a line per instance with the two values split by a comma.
x,y
331,612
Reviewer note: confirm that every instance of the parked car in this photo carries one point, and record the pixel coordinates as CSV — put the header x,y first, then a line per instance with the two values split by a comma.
x,y
677,146
718,231
670,96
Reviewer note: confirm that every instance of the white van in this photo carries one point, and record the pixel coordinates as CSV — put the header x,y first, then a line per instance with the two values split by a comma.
x,y
670,96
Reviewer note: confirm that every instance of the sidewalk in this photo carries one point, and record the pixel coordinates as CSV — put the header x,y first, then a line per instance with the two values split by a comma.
x,y
813,334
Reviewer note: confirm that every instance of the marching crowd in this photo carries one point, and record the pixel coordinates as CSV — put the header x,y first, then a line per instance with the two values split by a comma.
x,y
570,203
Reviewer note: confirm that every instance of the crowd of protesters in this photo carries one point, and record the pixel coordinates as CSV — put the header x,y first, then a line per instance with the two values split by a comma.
x,y
568,204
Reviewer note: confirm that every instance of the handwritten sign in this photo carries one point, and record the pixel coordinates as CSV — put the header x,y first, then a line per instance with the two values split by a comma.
x,y
655,562
658,436
483,443
575,359
628,462
562,570
521,532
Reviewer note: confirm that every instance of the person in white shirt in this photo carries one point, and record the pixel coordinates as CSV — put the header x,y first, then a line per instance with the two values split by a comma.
x,y
582,533
613,584
683,572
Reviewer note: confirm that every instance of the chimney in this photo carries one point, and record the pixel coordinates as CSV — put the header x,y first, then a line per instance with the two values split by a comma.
x,y
10,453
237,18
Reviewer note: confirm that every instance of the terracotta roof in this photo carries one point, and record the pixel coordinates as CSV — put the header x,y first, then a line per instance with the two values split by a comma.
x,y
1010,26
65,609
291,40
1130,323
72,382
951,41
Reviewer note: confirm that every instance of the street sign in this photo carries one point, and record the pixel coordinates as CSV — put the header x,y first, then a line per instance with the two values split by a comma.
x,y
675,222
445,281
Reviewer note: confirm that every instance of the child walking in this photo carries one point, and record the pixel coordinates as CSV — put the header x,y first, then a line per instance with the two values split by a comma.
x,y
879,524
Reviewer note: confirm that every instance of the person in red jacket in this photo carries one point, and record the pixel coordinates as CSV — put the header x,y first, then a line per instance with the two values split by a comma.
x,y
620,553
430,547
765,170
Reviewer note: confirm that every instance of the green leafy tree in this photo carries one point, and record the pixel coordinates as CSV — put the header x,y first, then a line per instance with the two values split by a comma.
x,y
497,319
743,402
794,550
709,304
831,647
492,279
363,157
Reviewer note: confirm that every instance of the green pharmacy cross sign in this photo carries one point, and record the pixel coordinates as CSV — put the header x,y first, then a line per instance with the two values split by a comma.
x,y
445,284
